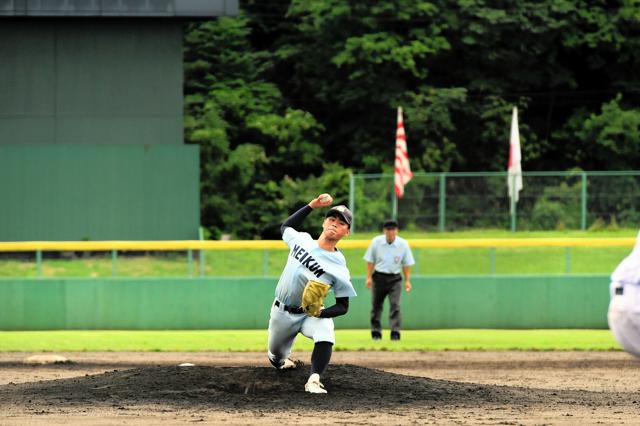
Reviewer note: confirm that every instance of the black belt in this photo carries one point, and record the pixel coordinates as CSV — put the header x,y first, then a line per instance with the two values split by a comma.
x,y
290,309
384,273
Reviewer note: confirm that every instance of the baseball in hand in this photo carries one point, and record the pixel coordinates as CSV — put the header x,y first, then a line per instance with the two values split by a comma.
x,y
325,199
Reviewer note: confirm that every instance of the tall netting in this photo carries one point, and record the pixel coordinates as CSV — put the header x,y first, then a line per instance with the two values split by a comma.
x,y
613,199
418,209
475,202
458,201
550,202
372,203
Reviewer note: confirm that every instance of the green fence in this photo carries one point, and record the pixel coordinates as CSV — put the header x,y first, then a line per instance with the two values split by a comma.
x,y
456,201
244,303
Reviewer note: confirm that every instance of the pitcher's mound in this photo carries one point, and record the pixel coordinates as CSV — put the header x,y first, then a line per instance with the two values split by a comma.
x,y
350,387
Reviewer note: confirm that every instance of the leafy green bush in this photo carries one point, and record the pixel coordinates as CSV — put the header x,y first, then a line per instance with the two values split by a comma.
x,y
558,208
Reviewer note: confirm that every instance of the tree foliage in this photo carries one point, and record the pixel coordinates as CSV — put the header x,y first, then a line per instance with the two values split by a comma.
x,y
287,98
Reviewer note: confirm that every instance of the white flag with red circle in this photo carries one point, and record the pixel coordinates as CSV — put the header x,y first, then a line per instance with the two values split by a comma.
x,y
514,168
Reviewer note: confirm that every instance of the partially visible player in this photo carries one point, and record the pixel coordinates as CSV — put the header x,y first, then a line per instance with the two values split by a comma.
x,y
313,268
624,309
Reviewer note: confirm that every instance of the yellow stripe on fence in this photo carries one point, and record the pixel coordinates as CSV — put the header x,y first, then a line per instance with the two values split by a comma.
x,y
277,244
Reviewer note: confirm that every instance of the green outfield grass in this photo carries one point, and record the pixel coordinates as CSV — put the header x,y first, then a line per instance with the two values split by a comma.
x,y
347,340
541,260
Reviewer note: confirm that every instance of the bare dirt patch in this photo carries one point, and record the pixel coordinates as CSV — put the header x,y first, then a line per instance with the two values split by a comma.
x,y
364,388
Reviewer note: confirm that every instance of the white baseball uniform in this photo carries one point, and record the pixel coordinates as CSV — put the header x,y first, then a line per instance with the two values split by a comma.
x,y
624,308
306,261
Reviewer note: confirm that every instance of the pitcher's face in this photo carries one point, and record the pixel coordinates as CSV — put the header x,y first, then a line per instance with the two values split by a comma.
x,y
335,228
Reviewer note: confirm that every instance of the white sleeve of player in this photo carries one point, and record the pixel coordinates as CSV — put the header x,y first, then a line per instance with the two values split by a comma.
x,y
293,237
289,235
343,288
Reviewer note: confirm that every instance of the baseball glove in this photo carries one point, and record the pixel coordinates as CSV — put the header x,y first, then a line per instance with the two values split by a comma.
x,y
313,297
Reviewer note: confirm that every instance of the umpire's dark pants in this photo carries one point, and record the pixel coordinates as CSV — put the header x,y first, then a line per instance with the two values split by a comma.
x,y
386,285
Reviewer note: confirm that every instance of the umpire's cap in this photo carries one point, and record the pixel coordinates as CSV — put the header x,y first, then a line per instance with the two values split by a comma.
x,y
390,223
341,212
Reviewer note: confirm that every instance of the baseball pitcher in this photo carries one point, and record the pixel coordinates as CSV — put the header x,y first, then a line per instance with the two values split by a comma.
x,y
313,269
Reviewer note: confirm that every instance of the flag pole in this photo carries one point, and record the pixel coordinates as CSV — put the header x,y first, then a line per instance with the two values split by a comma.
x,y
512,199
394,204
352,200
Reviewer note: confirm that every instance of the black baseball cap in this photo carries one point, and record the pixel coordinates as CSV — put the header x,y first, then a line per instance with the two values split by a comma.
x,y
390,223
342,212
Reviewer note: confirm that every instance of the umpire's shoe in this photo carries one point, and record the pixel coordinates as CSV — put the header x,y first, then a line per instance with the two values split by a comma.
x,y
313,385
376,335
395,335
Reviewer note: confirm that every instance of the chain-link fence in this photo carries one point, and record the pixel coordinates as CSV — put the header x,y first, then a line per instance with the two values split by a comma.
x,y
457,201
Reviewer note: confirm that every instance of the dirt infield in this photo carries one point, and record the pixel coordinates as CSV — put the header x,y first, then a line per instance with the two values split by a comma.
x,y
364,388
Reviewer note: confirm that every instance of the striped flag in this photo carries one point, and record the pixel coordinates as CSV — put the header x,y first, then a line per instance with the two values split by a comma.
x,y
514,178
402,173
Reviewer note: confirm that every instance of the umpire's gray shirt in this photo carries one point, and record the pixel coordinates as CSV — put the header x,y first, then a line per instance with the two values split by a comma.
x,y
389,258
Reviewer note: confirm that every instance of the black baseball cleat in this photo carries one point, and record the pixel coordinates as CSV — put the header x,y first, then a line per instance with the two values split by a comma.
x,y
395,335
287,364
376,335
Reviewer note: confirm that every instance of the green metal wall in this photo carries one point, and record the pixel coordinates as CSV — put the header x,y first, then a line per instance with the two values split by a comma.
x,y
99,192
244,303
91,81
91,131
